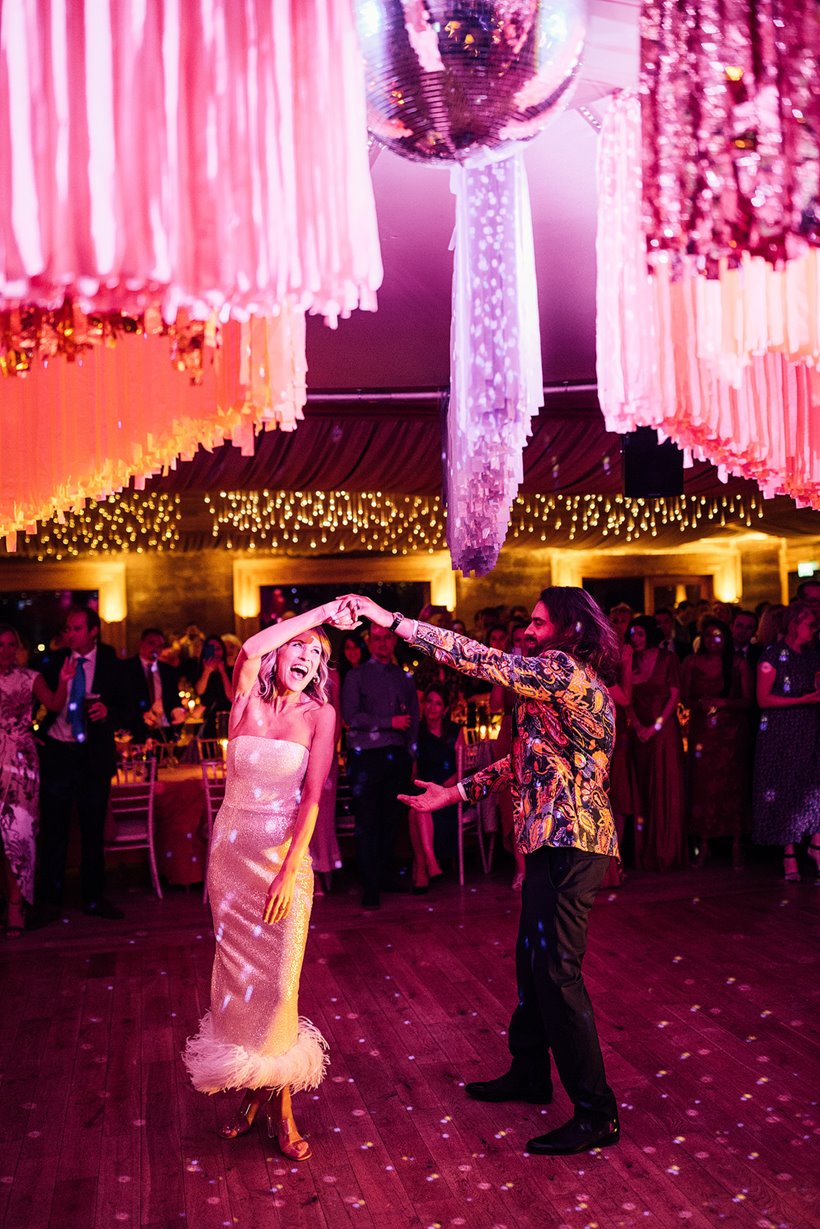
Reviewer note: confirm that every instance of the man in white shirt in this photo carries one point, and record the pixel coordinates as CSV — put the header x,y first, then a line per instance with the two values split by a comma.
x,y
77,761
152,691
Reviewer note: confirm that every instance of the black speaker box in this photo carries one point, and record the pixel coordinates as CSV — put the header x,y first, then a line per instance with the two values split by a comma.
x,y
651,470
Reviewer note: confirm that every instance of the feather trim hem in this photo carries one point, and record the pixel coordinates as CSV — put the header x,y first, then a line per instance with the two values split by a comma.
x,y
215,1066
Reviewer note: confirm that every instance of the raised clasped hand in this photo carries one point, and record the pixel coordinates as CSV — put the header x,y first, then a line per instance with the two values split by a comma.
x,y
365,607
342,614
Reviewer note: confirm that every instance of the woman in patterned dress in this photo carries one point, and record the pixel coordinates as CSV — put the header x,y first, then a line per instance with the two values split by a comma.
x,y
20,773
786,806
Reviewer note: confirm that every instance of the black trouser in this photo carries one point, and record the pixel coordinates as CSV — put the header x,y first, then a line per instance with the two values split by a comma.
x,y
69,774
376,777
554,1012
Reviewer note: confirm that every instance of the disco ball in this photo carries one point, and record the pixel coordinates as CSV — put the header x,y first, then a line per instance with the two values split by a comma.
x,y
467,80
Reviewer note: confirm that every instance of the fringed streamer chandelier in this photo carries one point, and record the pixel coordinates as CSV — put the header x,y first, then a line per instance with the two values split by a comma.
x,y
709,224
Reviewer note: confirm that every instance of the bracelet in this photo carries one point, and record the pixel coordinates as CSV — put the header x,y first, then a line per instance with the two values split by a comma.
x,y
397,618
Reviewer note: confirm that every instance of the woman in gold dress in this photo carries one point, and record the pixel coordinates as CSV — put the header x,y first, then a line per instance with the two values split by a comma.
x,y
260,881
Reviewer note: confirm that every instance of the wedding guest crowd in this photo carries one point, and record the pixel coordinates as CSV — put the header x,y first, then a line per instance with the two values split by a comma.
x,y
707,677
717,740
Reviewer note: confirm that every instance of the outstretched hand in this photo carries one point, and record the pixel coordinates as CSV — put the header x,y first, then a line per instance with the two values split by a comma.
x,y
434,797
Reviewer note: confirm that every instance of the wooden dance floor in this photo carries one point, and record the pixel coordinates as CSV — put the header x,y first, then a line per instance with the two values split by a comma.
x,y
706,990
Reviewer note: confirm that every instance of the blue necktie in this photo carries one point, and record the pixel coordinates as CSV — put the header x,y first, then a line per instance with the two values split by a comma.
x,y
76,701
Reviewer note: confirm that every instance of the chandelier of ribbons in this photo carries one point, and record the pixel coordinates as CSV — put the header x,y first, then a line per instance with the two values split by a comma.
x,y
464,85
708,311
180,184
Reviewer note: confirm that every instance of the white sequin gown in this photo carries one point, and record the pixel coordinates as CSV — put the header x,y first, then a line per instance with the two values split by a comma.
x,y
252,1037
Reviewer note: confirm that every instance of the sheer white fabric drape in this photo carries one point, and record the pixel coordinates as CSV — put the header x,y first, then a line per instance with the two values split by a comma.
x,y
496,382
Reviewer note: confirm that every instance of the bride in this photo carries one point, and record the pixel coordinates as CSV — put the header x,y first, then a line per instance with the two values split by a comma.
x,y
260,882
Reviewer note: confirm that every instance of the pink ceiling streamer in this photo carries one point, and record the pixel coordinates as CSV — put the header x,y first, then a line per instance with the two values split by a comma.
x,y
206,156
708,297
177,162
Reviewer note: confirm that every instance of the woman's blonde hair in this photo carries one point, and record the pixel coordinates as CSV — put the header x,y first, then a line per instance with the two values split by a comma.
x,y
316,688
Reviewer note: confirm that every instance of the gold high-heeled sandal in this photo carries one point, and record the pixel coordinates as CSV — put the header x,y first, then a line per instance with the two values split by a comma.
x,y
246,1115
291,1144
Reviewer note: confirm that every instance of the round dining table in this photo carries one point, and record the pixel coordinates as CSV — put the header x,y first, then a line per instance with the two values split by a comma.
x,y
181,825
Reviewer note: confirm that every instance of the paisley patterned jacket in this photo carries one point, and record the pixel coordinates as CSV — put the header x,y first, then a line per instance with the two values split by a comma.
x,y
563,735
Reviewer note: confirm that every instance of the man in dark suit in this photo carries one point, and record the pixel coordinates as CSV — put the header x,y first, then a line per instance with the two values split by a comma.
x,y
744,626
151,689
672,640
77,761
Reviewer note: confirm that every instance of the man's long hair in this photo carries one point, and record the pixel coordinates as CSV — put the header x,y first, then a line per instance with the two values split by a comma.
x,y
583,630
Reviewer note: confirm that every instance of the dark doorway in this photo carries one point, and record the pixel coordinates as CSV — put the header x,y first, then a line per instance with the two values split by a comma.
x,y
610,591
39,614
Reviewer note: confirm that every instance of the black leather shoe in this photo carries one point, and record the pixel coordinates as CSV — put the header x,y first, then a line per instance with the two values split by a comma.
x,y
102,908
511,1087
371,900
580,1134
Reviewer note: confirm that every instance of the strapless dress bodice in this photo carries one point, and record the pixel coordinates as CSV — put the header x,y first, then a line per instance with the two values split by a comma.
x,y
264,773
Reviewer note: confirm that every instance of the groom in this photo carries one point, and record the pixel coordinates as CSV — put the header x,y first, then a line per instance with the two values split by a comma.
x,y
563,734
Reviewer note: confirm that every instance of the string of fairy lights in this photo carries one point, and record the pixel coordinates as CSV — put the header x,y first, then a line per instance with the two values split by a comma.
x,y
136,522
308,521
305,522
372,522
